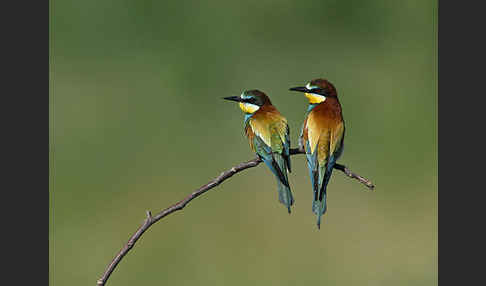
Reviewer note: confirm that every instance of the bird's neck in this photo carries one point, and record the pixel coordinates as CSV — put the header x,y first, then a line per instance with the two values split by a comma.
x,y
311,106
330,102
264,109
247,117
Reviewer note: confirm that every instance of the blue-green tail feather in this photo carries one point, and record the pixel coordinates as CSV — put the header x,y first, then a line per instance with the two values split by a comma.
x,y
319,205
285,195
277,165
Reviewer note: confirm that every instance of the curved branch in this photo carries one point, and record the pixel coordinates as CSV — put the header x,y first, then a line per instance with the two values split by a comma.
x,y
149,220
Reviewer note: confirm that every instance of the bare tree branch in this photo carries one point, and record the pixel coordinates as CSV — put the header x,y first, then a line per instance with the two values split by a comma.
x,y
149,220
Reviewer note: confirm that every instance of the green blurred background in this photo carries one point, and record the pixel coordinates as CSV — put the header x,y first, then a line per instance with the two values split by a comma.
x,y
137,122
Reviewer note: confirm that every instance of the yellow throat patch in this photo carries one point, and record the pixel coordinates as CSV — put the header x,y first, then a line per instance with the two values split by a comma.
x,y
315,98
248,107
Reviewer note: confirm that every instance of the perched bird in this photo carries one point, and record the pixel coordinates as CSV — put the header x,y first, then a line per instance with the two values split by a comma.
x,y
322,137
268,135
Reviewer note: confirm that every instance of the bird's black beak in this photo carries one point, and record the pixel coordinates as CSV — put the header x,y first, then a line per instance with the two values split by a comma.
x,y
234,98
300,89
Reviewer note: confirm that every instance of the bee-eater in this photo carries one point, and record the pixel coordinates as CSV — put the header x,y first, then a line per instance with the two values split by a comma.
x,y
268,135
322,137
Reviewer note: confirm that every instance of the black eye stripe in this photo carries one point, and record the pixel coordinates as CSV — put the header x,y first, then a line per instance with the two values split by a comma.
x,y
317,90
322,92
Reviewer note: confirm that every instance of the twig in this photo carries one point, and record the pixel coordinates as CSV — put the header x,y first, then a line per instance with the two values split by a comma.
x,y
350,174
149,220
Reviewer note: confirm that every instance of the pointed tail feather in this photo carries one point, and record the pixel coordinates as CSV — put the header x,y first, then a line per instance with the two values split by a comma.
x,y
319,208
285,195
276,163
319,205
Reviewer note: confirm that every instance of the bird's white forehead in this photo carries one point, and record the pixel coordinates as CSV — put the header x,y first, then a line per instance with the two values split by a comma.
x,y
309,86
243,95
